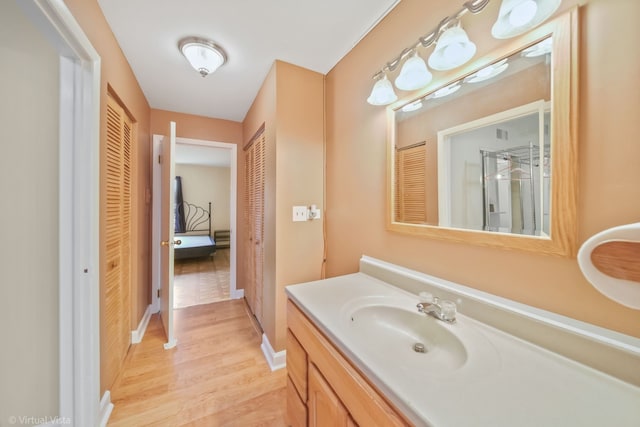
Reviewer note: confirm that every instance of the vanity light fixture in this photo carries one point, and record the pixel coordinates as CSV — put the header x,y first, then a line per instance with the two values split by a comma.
x,y
488,72
414,74
518,16
203,55
452,50
458,46
382,92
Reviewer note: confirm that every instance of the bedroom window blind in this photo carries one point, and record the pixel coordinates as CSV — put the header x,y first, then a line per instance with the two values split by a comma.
x,y
410,192
254,161
116,316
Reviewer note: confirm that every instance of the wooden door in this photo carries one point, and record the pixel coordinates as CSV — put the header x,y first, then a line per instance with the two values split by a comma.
x,y
324,406
116,316
167,234
254,220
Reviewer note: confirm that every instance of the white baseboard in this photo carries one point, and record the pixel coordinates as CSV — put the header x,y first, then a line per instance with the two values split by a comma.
x,y
106,407
138,334
275,360
237,294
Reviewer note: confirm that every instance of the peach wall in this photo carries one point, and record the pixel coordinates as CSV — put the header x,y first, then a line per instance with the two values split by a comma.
x,y
290,104
608,173
196,127
117,77
263,111
300,171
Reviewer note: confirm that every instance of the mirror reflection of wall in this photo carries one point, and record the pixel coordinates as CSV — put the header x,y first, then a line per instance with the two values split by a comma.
x,y
466,199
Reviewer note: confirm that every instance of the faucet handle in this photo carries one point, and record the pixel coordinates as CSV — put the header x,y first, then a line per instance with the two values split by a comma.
x,y
426,297
448,310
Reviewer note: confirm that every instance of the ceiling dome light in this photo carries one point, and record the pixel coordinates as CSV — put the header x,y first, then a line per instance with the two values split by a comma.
x,y
414,74
488,72
452,50
203,55
382,93
518,16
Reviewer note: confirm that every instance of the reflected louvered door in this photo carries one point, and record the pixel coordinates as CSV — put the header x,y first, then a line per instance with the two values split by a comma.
x,y
254,220
116,317
410,196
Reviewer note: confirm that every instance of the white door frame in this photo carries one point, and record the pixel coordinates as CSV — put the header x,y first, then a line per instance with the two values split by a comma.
x,y
155,234
79,182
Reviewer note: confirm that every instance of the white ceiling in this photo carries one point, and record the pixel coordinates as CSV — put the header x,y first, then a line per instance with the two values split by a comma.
x,y
253,33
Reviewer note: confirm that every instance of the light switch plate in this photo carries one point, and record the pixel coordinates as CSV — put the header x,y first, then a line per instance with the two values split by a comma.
x,y
300,213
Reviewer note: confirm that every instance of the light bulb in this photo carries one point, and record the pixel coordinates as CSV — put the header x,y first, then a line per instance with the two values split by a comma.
x,y
523,13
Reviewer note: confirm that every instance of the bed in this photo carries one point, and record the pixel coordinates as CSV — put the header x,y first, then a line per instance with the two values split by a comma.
x,y
196,241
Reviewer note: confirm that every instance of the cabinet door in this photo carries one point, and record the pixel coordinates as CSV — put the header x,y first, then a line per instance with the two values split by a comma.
x,y
325,409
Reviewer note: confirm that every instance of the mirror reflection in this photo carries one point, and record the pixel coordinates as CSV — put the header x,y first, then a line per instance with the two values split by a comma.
x,y
475,154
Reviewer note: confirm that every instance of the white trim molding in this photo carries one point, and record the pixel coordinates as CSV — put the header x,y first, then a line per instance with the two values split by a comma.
x,y
138,334
237,294
106,407
275,360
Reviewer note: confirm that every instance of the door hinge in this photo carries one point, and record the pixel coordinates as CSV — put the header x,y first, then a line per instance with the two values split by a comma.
x,y
159,159
158,293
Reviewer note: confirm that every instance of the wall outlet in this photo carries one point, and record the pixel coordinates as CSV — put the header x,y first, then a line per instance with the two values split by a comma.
x,y
300,213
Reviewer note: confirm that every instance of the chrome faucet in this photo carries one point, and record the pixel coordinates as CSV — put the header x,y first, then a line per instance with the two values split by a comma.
x,y
444,310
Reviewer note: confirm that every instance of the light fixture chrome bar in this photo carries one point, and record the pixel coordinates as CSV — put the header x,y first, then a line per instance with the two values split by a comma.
x,y
472,6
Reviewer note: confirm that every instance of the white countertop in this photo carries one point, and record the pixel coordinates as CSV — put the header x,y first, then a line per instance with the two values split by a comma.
x,y
521,384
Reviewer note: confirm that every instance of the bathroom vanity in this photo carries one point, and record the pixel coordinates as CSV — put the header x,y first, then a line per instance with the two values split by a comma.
x,y
359,352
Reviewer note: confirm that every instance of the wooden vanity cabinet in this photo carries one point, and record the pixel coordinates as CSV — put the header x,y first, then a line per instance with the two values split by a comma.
x,y
324,388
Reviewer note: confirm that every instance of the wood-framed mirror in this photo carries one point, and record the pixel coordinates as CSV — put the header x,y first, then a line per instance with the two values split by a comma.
x,y
494,163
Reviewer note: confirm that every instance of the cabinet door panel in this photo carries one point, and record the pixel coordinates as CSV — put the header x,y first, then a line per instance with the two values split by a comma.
x,y
325,409
297,365
296,409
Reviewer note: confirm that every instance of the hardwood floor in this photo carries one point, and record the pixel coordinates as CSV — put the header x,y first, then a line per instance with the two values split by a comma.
x,y
202,280
216,376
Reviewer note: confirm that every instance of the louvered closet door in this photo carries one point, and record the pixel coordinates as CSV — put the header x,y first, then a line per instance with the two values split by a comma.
x,y
254,220
258,222
249,289
116,317
410,197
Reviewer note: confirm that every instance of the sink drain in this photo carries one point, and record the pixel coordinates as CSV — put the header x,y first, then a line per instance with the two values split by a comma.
x,y
419,348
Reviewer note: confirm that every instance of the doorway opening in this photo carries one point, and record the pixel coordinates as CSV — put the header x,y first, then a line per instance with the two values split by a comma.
x,y
208,181
203,184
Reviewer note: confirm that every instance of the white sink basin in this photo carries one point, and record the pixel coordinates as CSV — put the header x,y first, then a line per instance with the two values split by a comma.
x,y
389,329
385,329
